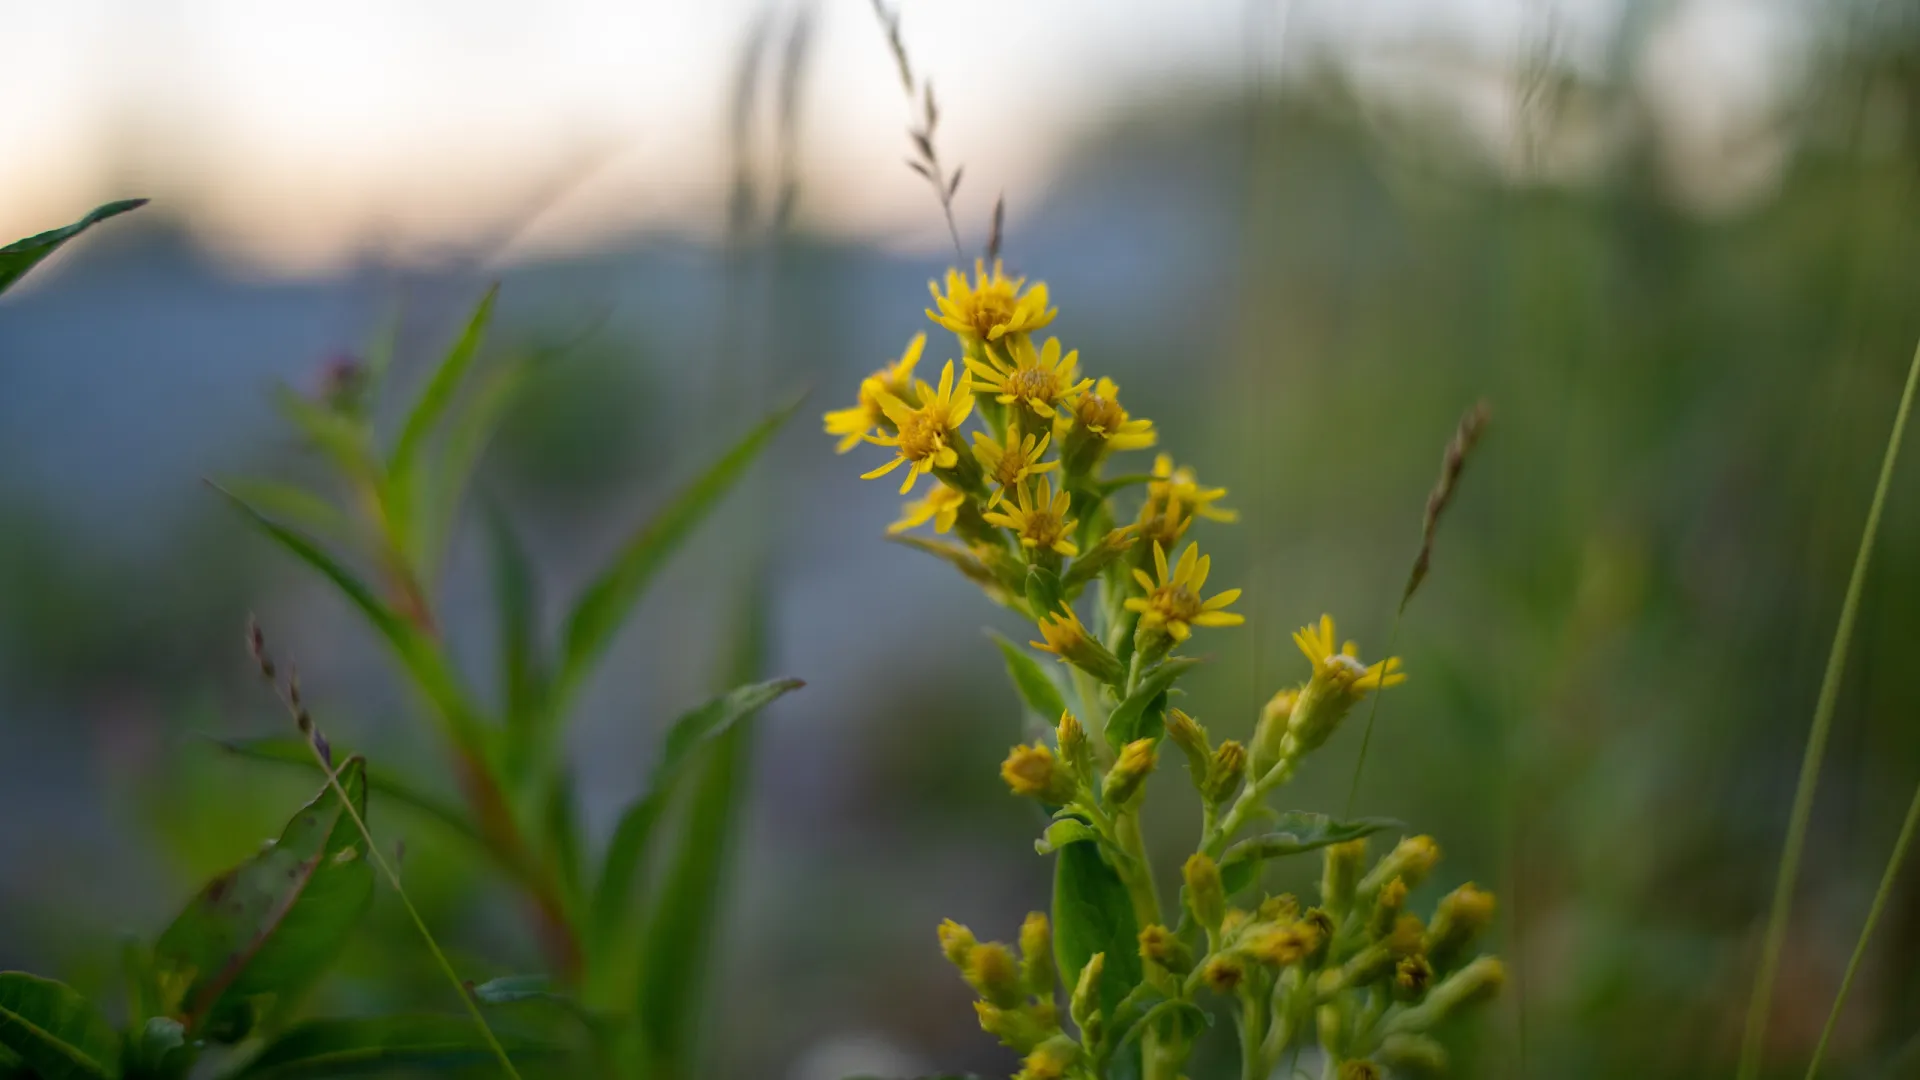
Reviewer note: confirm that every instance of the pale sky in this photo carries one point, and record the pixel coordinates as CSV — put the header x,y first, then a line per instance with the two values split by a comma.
x,y
295,135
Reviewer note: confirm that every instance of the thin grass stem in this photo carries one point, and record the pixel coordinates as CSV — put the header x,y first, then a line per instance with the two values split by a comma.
x,y
1373,711
1757,1009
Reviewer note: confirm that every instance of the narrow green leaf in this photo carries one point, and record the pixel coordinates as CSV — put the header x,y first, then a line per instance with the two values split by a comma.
x,y
292,750
269,927
684,924
292,503
521,662
23,255
1128,720
440,388
328,1048
54,1031
415,650
472,429
605,604
1296,832
344,440
626,853
512,989
1031,678
1093,913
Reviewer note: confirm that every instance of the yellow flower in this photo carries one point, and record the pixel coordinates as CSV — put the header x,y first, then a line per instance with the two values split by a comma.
x,y
1174,499
1173,602
1100,414
1010,469
896,378
992,307
924,435
940,506
1038,379
1341,668
1033,772
1040,521
1067,638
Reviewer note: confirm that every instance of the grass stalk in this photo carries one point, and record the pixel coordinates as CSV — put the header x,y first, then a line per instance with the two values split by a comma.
x,y
1756,1024
1880,896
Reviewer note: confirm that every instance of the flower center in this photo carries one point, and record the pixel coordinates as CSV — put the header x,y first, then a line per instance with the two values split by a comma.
x,y
1009,469
1031,384
1043,528
1177,602
1103,415
922,436
991,310
1348,668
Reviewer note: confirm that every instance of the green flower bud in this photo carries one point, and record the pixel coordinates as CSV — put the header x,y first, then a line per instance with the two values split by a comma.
x,y
1470,985
1460,917
1129,774
1084,1006
994,975
1341,873
1187,734
1224,772
1036,956
1386,908
1412,860
1205,894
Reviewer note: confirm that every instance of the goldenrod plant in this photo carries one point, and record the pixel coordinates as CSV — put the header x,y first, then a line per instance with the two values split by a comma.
x,y
1011,456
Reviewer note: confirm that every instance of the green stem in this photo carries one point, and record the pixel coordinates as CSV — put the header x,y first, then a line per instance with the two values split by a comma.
x,y
420,924
1253,1017
1880,896
1373,711
1252,797
1756,1027
1138,875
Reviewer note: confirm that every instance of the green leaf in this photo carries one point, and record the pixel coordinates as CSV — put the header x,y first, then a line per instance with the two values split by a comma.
x,y
512,989
473,428
521,661
676,955
161,1051
605,604
415,649
1092,913
1129,719
292,750
292,503
54,1031
1030,677
345,440
1063,832
328,1048
23,255
259,934
626,853
1043,590
1188,1012
1296,832
440,388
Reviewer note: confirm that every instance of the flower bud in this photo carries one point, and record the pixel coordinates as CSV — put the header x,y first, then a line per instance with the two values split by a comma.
x,y
1224,772
1033,772
1067,637
992,973
1205,893
1412,860
1279,909
1405,937
1416,1054
1050,1060
1104,553
1284,945
1125,779
1187,734
956,942
1159,945
1084,1006
1021,1028
1471,984
1223,973
1270,730
1359,1069
1036,956
1074,746
1341,873
1460,917
1411,977
1386,908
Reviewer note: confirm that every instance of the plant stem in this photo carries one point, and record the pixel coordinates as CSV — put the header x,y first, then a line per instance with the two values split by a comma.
x,y
420,924
1253,1016
1252,797
1887,880
1756,1027
1373,711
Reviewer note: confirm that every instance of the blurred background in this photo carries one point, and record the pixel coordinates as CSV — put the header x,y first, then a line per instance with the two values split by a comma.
x,y
1670,242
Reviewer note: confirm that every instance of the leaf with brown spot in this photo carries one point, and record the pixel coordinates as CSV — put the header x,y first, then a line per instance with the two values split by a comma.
x,y
261,933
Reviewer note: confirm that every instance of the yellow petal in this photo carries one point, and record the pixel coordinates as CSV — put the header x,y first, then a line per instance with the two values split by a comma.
x,y
883,470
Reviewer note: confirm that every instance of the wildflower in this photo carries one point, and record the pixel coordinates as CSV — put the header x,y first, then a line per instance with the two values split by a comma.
x,y
1186,733
992,972
1099,424
1411,859
1036,955
1022,1028
1386,907
1474,983
867,414
1036,379
1123,782
1411,977
1205,893
1067,638
1161,946
925,434
1174,499
1008,467
1229,764
1173,605
1223,973
992,306
1460,917
956,942
1282,908
1041,522
1282,946
1084,1003
1341,873
1050,1060
940,506
1339,680
1033,772
1073,745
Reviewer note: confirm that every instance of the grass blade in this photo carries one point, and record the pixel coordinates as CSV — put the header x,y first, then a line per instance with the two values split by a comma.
x,y
1756,1026
606,603
23,255
1880,897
